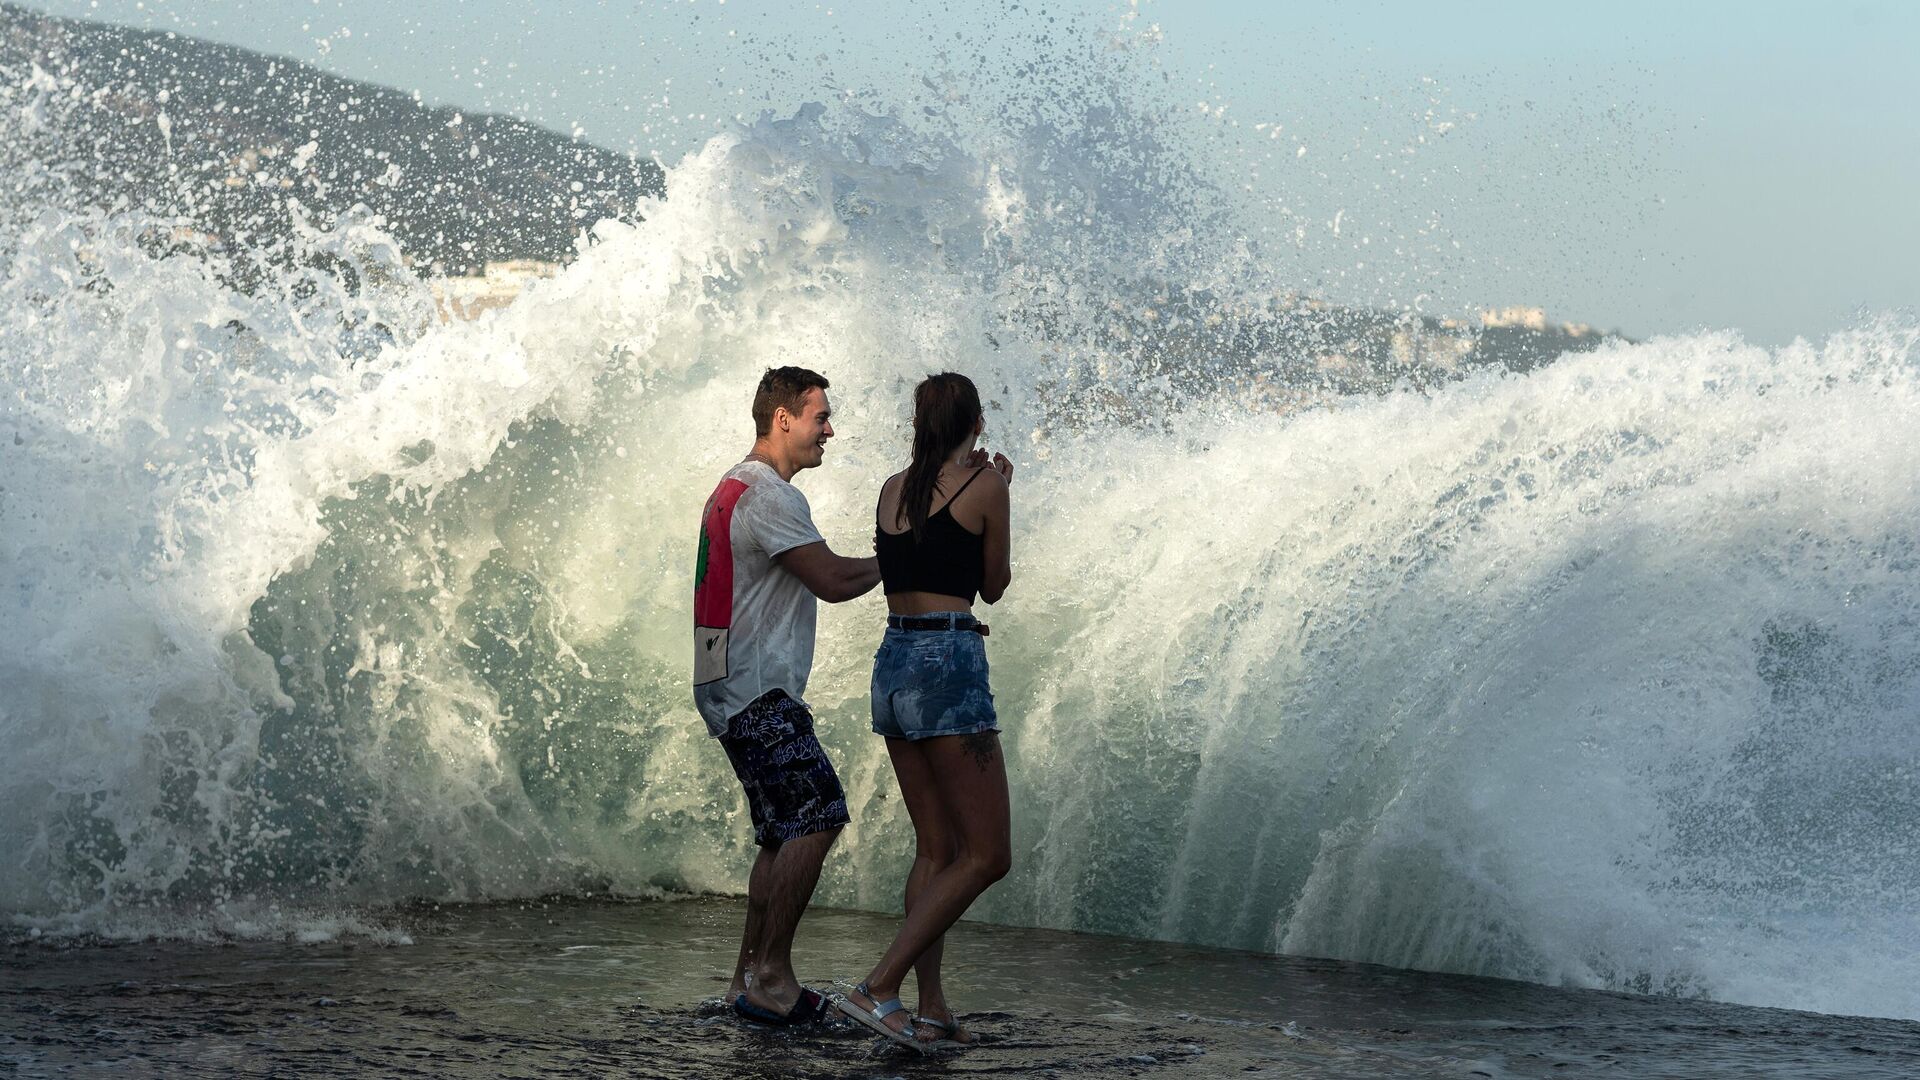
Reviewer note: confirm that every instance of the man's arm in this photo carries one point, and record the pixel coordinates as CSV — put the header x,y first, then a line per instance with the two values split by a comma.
x,y
833,578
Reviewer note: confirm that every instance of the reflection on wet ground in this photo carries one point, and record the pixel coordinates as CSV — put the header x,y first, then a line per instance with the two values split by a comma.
x,y
586,987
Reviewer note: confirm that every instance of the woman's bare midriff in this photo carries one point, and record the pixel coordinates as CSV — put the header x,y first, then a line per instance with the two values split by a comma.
x,y
920,603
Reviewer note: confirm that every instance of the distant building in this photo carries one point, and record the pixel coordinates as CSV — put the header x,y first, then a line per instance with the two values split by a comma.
x,y
1413,345
1530,318
1524,318
497,286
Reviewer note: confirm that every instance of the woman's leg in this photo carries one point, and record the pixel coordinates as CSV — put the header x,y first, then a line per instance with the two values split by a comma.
x,y
936,843
970,784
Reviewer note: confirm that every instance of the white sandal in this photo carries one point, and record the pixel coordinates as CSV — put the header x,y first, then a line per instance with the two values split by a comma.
x,y
948,1042
876,1017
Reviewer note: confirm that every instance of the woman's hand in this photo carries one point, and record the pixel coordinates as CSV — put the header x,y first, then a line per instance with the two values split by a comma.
x,y
978,459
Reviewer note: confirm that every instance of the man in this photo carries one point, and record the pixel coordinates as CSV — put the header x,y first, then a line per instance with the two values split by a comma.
x,y
761,565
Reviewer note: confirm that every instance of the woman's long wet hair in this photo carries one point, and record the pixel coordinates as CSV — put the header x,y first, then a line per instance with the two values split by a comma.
x,y
945,408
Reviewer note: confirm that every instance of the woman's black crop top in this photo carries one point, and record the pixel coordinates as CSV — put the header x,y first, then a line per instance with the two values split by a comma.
x,y
947,559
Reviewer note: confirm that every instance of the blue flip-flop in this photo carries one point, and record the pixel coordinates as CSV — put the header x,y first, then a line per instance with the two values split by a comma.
x,y
810,1009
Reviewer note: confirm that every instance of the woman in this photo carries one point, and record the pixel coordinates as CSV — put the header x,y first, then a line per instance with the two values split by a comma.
x,y
941,535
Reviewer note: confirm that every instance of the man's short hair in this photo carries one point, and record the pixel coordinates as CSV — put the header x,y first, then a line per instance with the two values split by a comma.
x,y
782,388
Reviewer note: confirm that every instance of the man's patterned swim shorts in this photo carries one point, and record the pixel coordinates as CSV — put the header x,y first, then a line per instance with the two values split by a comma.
x,y
791,787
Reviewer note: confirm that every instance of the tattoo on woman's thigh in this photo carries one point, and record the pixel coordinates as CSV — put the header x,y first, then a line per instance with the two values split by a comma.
x,y
983,745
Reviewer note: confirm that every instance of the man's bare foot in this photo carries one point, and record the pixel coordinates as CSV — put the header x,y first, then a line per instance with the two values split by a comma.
x,y
778,1000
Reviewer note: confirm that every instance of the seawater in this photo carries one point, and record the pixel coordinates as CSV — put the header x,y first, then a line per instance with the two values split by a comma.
x,y
554,987
1601,675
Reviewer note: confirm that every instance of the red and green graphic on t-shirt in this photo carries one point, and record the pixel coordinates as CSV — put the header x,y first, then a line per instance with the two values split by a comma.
x,y
713,583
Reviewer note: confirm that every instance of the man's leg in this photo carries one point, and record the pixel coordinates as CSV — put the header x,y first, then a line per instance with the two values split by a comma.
x,y
792,792
758,884
791,875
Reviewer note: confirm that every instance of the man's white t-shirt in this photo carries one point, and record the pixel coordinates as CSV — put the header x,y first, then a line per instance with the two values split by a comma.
x,y
753,621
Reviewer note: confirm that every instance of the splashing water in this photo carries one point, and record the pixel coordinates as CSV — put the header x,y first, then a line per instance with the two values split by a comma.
x,y
1602,674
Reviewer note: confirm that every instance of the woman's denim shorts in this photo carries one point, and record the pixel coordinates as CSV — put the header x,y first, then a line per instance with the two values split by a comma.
x,y
928,683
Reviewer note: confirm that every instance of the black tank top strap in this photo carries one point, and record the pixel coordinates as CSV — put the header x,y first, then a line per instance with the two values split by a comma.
x,y
949,503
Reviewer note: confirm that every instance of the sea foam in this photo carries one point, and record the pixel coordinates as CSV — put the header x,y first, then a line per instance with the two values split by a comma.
x,y
1600,674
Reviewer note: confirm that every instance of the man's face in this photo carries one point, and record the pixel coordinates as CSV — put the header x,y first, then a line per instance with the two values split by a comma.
x,y
807,431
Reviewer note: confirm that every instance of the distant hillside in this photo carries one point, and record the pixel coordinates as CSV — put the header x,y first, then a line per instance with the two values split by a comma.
x,y
1289,352
219,141
223,137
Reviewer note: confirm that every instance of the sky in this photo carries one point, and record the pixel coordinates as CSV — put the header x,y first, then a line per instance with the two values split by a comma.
x,y
1648,168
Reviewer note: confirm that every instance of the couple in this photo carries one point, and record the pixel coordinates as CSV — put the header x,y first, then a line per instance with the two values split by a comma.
x,y
940,538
